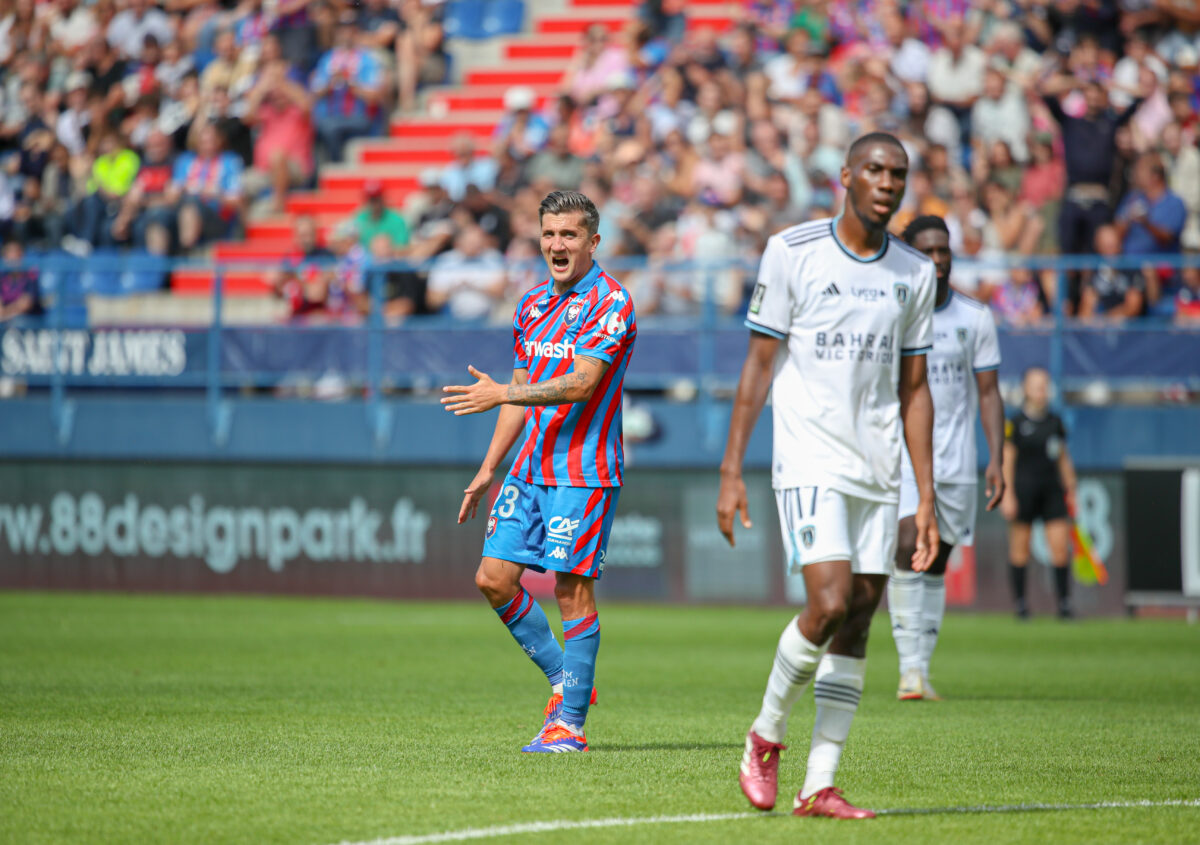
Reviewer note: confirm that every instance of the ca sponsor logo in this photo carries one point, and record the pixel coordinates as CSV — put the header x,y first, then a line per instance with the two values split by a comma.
x,y
546,349
901,290
808,536
559,553
561,529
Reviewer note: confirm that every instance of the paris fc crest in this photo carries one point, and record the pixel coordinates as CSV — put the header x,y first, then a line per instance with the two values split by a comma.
x,y
808,536
901,291
961,334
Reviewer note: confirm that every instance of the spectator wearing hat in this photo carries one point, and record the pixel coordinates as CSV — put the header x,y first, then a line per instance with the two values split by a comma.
x,y
279,113
348,85
375,218
521,131
206,188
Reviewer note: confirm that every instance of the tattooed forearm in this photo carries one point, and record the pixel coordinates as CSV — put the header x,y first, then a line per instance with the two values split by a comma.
x,y
572,387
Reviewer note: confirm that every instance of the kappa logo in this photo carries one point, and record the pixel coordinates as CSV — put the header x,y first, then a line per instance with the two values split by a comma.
x,y
832,290
901,290
559,553
808,536
961,334
573,311
617,296
491,526
535,313
561,529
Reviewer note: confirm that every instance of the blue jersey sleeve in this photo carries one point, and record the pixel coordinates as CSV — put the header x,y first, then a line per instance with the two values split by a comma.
x,y
609,327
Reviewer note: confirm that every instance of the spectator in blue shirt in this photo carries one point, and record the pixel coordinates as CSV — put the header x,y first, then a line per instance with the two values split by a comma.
x,y
207,187
1150,221
348,86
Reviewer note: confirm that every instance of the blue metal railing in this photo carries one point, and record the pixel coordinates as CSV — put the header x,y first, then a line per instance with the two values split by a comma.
x,y
67,281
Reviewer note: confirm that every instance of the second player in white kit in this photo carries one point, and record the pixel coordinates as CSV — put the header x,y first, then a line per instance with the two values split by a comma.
x,y
962,373
841,320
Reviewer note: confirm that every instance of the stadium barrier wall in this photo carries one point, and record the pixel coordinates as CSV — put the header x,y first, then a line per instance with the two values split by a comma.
x,y
384,531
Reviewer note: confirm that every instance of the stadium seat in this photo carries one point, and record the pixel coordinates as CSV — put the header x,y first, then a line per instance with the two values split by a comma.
x,y
504,17
464,19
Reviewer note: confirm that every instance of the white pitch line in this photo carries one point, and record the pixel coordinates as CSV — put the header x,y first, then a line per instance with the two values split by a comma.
x,y
567,824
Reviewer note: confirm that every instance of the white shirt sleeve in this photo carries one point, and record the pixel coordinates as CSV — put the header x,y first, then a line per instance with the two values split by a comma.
x,y
918,330
770,310
987,344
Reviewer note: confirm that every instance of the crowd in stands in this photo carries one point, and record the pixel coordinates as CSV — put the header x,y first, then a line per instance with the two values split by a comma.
x,y
1032,126
125,124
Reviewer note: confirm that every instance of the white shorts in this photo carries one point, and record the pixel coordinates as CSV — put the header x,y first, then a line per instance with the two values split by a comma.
x,y
821,524
955,505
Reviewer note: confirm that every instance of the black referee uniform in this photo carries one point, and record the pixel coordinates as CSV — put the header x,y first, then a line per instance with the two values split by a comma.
x,y
1039,488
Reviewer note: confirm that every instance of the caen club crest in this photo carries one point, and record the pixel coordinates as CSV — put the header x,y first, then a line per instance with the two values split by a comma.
x,y
573,311
491,526
901,291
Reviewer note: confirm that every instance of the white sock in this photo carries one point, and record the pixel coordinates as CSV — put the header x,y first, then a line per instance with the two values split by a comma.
x,y
904,604
933,608
795,661
556,689
837,690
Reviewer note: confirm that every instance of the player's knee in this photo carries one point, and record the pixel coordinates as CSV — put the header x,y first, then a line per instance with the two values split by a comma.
x,y
829,611
494,586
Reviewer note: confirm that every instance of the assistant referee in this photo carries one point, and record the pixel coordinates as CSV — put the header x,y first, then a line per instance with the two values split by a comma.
x,y
1039,484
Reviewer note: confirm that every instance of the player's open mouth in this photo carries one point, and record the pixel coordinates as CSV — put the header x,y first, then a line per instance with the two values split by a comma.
x,y
560,263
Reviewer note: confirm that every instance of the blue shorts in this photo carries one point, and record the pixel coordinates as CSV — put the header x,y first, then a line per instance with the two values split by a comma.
x,y
560,528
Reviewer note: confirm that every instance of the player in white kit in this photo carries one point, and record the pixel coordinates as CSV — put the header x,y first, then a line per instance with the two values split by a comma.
x,y
962,373
841,319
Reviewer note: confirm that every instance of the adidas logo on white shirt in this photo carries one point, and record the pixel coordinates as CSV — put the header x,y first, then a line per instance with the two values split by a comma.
x,y
559,553
832,290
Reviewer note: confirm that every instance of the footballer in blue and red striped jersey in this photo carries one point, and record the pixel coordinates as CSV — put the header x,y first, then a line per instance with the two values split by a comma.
x,y
573,335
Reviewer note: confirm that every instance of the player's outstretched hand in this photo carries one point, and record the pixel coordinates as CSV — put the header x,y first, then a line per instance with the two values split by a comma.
x,y
993,478
927,537
475,491
730,501
475,398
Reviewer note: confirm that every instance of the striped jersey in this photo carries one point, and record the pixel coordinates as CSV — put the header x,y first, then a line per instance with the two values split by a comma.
x,y
845,321
577,444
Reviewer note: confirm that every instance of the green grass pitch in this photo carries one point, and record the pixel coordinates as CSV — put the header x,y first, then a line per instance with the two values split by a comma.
x,y
227,719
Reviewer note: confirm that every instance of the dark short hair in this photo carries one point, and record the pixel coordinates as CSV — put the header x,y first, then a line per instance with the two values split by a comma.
x,y
923,224
870,139
562,202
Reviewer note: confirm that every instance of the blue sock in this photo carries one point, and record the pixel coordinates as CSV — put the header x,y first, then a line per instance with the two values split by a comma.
x,y
527,623
582,638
